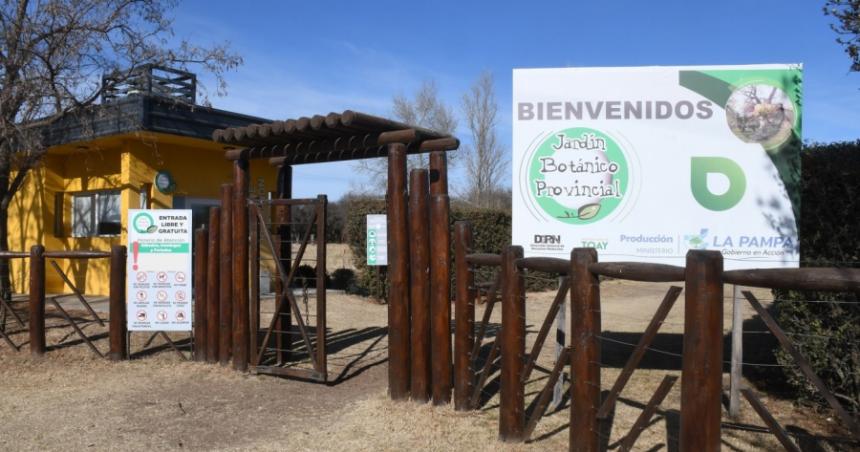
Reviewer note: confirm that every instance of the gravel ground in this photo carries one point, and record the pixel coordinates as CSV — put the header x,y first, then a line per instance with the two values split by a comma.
x,y
72,400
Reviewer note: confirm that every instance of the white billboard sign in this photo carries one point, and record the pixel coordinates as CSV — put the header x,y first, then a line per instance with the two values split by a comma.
x,y
377,240
646,163
159,270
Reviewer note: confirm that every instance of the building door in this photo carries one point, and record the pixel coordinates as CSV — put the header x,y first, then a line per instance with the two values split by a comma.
x,y
199,208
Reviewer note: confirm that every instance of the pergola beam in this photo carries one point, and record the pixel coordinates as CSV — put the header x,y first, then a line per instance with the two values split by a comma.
x,y
282,156
333,137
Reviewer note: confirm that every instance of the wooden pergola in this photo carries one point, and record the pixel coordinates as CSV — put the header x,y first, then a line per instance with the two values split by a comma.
x,y
334,137
419,237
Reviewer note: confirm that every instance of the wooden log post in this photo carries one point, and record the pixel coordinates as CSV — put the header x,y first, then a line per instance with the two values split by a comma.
x,y
464,317
284,249
419,283
585,357
513,348
440,277
560,347
225,333
736,375
241,268
213,299
117,328
254,302
322,210
702,367
37,300
201,244
398,274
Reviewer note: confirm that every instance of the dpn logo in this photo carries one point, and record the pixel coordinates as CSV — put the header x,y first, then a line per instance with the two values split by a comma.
x,y
733,177
547,238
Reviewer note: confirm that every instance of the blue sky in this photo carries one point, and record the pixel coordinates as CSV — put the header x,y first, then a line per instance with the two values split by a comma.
x,y
304,58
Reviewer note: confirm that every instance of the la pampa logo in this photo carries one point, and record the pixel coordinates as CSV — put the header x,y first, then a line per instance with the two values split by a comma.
x,y
697,241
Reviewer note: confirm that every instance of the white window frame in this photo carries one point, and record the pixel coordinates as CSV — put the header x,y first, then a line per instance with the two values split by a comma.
x,y
94,213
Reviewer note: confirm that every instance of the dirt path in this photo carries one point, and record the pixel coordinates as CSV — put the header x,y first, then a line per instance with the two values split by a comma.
x,y
158,404
71,400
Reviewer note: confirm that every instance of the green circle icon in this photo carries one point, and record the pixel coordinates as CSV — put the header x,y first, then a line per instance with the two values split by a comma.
x,y
578,176
164,182
144,223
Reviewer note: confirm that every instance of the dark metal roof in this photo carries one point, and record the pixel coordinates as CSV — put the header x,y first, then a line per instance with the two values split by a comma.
x,y
337,136
144,113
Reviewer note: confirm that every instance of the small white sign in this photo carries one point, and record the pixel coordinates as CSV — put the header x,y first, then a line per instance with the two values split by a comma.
x,y
159,270
377,240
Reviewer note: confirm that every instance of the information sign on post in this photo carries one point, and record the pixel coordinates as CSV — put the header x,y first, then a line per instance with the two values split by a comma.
x,y
159,270
377,240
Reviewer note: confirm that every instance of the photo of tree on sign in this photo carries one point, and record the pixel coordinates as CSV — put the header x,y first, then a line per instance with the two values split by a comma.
x,y
760,113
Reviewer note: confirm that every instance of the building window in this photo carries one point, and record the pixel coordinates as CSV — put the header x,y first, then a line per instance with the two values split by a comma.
x,y
145,196
95,214
199,208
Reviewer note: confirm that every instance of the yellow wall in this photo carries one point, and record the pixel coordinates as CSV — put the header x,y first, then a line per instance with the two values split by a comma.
x,y
119,162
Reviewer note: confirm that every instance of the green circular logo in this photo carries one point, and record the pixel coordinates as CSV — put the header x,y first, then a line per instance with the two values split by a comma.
x,y
578,175
144,223
164,182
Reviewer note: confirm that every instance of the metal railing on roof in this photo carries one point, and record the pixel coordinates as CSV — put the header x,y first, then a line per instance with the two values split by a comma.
x,y
151,80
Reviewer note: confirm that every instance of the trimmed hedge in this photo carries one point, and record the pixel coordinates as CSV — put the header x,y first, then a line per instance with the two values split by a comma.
x,y
492,232
827,334
369,281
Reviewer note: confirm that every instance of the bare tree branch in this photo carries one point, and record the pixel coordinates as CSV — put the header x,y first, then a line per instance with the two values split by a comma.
x,y
485,164
847,27
53,54
426,110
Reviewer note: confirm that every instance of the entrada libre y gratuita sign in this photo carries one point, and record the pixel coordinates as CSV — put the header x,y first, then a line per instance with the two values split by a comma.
x,y
159,270
647,163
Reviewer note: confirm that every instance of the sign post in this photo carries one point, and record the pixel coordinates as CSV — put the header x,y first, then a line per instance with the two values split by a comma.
x,y
159,270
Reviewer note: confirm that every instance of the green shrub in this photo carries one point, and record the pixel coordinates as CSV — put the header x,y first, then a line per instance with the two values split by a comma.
x,y
342,278
491,234
305,276
827,334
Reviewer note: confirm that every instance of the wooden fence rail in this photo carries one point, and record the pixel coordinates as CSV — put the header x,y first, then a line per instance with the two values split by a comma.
x,y
37,298
702,358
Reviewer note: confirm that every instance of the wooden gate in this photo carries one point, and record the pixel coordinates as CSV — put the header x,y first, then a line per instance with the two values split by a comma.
x,y
293,342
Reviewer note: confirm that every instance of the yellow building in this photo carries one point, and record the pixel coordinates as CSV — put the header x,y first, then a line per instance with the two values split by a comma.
x,y
137,149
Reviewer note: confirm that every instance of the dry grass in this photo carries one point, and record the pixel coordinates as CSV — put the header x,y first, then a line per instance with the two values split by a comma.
x,y
338,255
71,400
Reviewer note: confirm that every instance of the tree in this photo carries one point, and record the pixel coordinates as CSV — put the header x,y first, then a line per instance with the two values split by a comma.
x,y
424,110
485,164
53,55
847,27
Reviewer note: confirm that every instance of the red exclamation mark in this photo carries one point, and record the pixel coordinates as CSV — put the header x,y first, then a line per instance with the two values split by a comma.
x,y
135,248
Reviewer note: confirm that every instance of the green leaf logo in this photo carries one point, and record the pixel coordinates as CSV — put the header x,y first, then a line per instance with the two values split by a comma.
x,y
588,211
